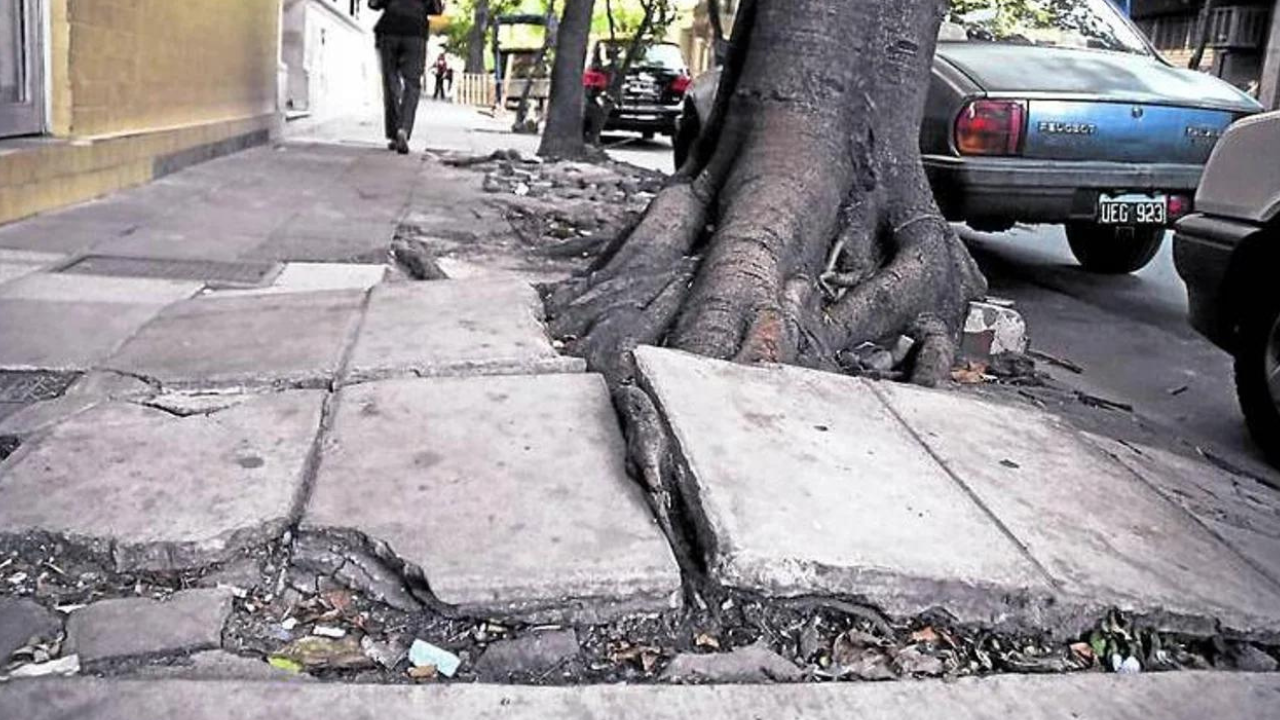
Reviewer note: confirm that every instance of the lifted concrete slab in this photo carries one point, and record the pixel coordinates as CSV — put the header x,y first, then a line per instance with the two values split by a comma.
x,y
1167,696
167,492
1106,537
271,340
806,484
445,328
508,492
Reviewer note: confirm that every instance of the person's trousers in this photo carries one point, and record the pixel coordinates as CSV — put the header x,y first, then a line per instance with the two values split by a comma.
x,y
404,58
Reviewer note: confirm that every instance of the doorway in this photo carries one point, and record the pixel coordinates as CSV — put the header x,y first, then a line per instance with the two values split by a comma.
x,y
21,68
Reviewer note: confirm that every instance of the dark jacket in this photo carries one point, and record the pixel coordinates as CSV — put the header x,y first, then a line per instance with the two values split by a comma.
x,y
405,17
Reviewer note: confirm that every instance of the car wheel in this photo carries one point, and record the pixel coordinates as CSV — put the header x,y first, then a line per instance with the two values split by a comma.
x,y
686,136
1113,250
1258,371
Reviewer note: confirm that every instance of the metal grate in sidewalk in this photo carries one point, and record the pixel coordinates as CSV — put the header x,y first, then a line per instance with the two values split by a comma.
x,y
212,271
24,386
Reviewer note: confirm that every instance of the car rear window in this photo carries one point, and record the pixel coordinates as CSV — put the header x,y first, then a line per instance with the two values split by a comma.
x,y
1093,24
661,56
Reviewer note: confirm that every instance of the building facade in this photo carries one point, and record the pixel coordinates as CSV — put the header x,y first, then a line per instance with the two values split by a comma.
x,y
1241,38
97,95
330,64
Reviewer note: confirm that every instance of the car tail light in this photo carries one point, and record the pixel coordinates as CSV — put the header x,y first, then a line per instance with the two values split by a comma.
x,y
680,85
1178,206
990,127
595,80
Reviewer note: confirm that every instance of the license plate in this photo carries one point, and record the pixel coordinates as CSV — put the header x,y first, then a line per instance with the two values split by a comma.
x,y
1133,210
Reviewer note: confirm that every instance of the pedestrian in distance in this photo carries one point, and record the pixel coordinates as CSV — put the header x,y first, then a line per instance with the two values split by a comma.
x,y
401,38
441,71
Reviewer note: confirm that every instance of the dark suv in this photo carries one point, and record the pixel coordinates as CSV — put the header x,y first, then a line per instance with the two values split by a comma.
x,y
652,92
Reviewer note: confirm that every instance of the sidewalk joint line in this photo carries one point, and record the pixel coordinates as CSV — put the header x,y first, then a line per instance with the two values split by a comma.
x,y
973,495
1180,508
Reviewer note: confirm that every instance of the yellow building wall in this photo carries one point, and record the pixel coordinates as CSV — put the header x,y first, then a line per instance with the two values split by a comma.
x,y
140,87
141,64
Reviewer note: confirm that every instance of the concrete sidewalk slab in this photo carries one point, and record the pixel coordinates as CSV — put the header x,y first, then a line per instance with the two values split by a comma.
x,y
50,233
1166,696
268,340
17,263
319,277
80,288
1242,511
807,484
443,328
38,334
1106,537
167,492
508,492
140,626
196,243
369,248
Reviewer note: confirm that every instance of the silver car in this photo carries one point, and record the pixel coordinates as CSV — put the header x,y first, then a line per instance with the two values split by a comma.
x,y
1228,253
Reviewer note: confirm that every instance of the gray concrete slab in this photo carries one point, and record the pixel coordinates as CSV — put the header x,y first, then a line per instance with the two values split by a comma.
x,y
30,257
1242,511
75,287
508,492
364,248
270,340
66,335
319,277
12,271
52,234
1106,537
130,627
166,491
22,619
807,484
1168,696
195,242
480,327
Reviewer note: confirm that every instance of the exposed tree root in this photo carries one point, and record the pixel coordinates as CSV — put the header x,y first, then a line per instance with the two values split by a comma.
x,y
801,227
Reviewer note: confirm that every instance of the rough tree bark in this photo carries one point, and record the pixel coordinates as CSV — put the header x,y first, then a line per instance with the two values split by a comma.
x,y
802,224
476,42
562,135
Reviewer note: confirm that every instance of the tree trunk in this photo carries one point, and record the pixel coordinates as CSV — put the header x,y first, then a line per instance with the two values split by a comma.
x,y
475,43
803,224
562,136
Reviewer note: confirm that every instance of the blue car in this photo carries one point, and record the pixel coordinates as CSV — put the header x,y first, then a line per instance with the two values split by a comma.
x,y
1057,111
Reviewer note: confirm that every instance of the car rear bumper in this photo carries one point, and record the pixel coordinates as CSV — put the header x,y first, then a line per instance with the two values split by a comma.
x,y
646,119
1203,249
1050,191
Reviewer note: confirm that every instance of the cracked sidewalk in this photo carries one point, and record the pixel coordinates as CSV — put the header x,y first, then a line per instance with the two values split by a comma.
x,y
433,432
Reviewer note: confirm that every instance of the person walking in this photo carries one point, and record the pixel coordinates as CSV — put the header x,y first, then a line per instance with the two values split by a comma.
x,y
440,70
401,35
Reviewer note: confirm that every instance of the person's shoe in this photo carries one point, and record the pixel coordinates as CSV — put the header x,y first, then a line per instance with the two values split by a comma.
x,y
402,142
391,144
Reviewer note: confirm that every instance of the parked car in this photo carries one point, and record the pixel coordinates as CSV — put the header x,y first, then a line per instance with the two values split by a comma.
x,y
1228,252
1057,112
652,92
